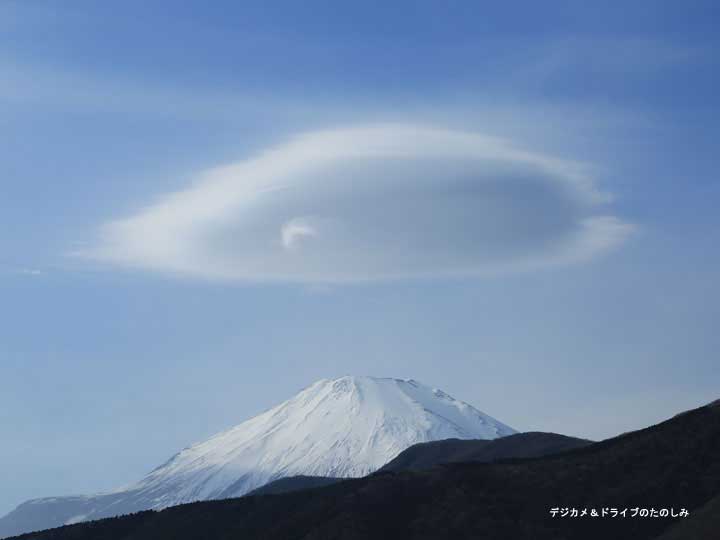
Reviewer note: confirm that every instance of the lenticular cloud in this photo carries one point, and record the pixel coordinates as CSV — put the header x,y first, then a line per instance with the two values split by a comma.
x,y
377,202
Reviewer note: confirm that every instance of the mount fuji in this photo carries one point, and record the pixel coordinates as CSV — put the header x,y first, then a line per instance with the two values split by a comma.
x,y
345,427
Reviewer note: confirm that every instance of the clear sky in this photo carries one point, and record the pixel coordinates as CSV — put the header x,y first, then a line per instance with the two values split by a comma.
x,y
206,206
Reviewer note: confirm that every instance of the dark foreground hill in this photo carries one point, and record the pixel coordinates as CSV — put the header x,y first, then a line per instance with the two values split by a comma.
x,y
671,465
521,445
294,483
703,524
426,455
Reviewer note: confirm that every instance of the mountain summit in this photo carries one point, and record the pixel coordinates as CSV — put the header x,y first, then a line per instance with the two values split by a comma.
x,y
345,427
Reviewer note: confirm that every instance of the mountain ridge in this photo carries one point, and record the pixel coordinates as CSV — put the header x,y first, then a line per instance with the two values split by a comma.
x,y
518,445
344,427
671,464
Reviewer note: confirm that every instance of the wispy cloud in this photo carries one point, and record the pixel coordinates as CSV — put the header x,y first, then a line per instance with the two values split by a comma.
x,y
13,269
517,71
41,84
365,203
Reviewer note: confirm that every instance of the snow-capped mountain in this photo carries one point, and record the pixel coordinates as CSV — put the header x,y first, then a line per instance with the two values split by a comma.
x,y
346,427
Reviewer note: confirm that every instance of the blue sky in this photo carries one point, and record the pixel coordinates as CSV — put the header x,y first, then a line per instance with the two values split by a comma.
x,y
115,351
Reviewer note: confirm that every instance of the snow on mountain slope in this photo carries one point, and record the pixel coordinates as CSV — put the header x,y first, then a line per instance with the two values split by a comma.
x,y
346,427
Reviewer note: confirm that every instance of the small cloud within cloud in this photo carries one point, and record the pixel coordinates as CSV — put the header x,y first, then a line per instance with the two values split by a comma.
x,y
294,231
367,203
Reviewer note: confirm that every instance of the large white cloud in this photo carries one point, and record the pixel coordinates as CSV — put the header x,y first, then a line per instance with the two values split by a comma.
x,y
375,202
